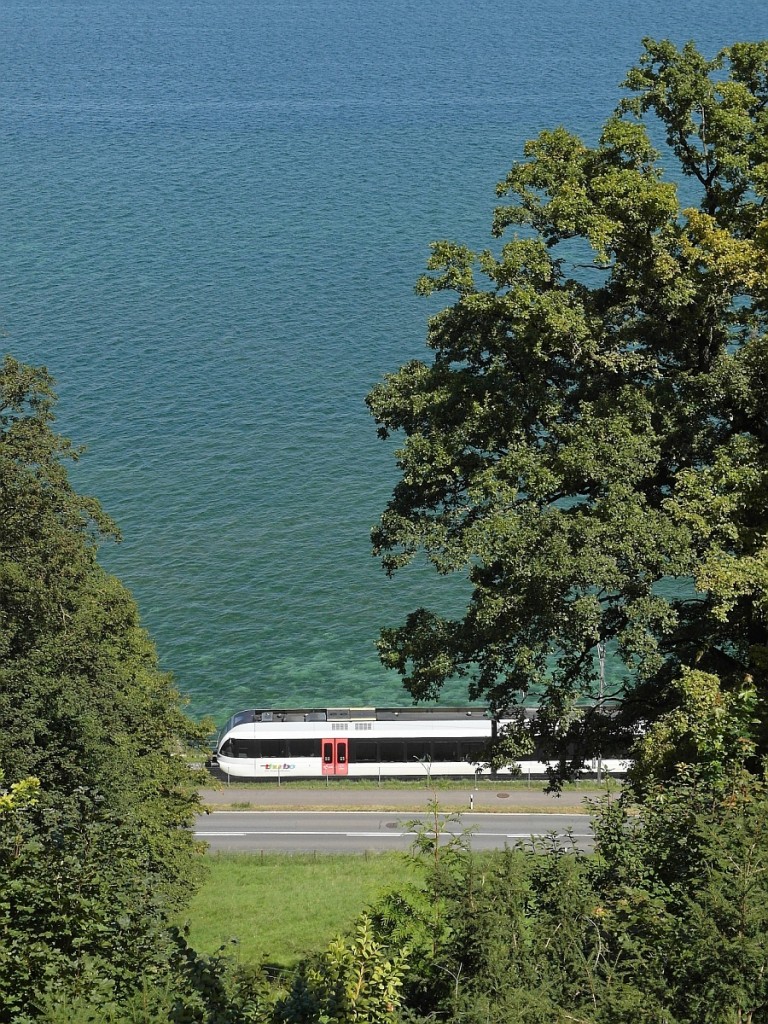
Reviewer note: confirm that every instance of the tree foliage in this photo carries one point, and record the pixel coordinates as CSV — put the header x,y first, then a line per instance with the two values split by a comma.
x,y
589,442
91,869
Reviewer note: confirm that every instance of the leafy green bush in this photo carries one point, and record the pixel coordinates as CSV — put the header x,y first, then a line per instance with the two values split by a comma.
x,y
667,922
357,980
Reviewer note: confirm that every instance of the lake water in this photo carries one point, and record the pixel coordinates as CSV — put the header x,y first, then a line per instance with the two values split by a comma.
x,y
212,217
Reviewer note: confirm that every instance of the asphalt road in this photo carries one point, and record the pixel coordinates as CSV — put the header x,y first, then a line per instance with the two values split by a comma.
x,y
373,831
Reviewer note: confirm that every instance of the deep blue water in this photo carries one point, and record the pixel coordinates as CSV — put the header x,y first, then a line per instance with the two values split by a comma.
x,y
212,217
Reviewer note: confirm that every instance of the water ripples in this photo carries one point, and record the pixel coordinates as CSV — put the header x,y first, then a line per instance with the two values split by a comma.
x,y
213,217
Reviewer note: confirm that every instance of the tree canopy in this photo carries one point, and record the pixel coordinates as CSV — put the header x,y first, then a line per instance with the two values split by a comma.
x,y
589,441
91,869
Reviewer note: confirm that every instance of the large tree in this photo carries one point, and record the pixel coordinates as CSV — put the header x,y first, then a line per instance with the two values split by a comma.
x,y
94,869
589,442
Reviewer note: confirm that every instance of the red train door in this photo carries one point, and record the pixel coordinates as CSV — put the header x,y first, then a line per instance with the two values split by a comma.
x,y
335,756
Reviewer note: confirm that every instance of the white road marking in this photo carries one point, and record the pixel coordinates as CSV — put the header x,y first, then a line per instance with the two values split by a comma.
x,y
239,835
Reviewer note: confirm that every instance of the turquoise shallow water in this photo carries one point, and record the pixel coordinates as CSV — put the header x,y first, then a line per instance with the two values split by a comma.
x,y
213,215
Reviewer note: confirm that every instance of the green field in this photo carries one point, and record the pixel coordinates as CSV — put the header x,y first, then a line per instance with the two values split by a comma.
x,y
279,908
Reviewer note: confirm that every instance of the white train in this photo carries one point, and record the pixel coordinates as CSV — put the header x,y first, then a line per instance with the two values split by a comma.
x,y
364,743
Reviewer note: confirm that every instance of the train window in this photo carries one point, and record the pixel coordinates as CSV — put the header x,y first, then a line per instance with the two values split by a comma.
x,y
244,748
226,749
274,748
418,750
472,750
391,750
303,748
363,751
445,750
327,753
341,752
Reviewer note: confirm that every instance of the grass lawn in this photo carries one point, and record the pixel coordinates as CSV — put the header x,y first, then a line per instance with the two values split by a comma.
x,y
279,908
419,785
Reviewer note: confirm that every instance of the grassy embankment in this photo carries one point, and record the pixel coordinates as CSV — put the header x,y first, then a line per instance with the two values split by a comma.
x,y
488,794
422,785
279,908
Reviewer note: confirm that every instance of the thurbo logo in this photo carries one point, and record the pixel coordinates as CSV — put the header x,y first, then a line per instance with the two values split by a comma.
x,y
277,767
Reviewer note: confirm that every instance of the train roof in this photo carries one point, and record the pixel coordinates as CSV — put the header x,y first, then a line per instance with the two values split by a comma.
x,y
371,714
361,714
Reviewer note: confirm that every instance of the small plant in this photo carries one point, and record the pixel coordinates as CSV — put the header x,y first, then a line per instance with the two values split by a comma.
x,y
355,981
